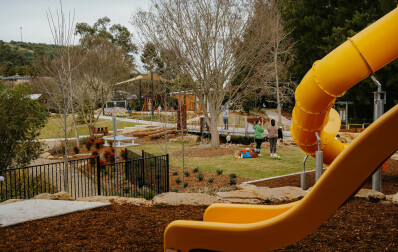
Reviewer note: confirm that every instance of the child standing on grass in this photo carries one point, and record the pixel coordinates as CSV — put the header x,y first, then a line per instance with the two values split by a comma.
x,y
273,137
258,136
228,140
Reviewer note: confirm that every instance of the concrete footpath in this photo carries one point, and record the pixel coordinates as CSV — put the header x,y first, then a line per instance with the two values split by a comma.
x,y
35,209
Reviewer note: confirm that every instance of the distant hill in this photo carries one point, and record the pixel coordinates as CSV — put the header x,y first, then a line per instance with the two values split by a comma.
x,y
17,57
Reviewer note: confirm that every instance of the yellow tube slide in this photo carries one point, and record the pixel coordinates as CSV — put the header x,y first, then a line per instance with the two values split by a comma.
x,y
330,77
261,228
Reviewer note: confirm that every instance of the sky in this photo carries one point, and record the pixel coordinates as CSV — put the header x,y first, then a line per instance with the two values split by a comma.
x,y
31,15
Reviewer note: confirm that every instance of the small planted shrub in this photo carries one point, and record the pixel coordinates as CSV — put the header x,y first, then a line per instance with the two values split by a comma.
x,y
187,174
92,160
124,154
186,184
174,190
200,176
110,142
111,157
178,181
175,173
112,149
88,144
232,175
94,153
148,193
102,162
98,144
196,170
219,171
210,180
76,149
232,181
92,139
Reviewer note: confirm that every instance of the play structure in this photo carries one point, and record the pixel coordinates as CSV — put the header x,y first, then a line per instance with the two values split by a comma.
x,y
231,227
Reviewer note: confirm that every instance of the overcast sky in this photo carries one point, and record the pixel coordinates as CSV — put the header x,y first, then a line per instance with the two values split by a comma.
x,y
31,15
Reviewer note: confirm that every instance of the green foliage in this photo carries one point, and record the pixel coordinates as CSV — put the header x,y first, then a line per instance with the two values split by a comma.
x,y
247,105
178,181
200,176
210,180
21,121
174,190
147,193
232,175
195,170
320,26
187,174
232,181
186,184
219,171
175,173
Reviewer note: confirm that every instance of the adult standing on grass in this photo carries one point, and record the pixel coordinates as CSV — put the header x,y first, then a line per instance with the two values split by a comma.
x,y
273,137
258,136
225,117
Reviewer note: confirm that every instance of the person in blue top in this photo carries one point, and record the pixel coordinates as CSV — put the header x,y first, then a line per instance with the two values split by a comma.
x,y
258,136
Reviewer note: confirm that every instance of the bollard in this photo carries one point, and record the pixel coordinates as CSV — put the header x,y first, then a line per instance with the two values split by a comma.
x,y
303,178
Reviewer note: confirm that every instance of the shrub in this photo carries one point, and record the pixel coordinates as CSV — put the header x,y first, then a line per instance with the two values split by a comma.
x,y
102,162
56,150
111,157
148,193
232,175
219,171
178,181
175,173
186,184
63,147
92,160
98,144
210,180
94,153
200,176
174,190
112,149
232,181
124,154
187,174
196,170
110,142
92,139
76,149
89,143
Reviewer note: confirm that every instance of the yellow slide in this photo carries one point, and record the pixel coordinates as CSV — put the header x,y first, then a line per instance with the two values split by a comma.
x,y
229,227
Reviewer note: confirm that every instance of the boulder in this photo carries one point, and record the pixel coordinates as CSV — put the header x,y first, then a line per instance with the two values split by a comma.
x,y
193,199
117,199
279,194
395,199
246,186
240,196
370,195
10,201
55,196
45,155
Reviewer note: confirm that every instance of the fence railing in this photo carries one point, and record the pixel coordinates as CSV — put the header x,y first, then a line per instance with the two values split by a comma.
x,y
138,176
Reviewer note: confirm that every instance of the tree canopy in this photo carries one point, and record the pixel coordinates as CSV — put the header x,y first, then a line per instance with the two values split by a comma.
x,y
21,121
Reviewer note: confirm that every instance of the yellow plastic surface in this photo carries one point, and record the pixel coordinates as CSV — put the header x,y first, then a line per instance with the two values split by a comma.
x,y
263,228
332,76
286,224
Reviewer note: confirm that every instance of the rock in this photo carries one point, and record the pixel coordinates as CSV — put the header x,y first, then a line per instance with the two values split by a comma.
x,y
187,138
246,186
370,195
279,194
389,197
55,196
241,196
10,201
174,199
395,199
45,155
117,199
385,202
51,157
242,201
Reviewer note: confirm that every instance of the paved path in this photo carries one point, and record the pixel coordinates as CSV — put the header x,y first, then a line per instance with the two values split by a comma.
x,y
273,114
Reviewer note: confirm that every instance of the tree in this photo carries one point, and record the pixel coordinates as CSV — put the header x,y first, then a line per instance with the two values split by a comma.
x,y
102,66
322,25
204,39
116,34
21,121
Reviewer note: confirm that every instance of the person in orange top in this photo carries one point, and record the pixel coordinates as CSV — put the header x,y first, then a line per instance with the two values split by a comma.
x,y
273,137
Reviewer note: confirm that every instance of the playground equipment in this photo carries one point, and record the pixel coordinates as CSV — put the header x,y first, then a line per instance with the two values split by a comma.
x,y
231,227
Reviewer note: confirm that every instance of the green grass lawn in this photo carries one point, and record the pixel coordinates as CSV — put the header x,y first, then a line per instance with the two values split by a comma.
x,y
53,126
254,168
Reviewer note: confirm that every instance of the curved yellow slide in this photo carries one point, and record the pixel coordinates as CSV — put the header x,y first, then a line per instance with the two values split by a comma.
x,y
354,60
260,228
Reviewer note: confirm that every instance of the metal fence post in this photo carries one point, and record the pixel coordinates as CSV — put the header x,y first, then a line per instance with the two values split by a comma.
x,y
303,178
318,159
167,173
98,174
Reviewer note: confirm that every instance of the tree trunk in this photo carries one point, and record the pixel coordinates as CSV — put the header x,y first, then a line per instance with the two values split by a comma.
x,y
215,136
278,100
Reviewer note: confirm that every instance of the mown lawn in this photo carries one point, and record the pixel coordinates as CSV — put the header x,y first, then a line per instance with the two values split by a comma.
x,y
54,125
254,168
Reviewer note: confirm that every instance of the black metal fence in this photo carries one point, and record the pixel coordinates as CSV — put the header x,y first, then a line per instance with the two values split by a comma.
x,y
137,176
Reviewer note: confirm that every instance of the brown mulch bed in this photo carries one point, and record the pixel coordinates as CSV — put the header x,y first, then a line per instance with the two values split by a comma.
x,y
358,225
208,151
389,183
220,182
